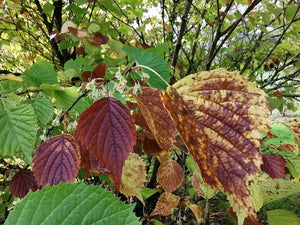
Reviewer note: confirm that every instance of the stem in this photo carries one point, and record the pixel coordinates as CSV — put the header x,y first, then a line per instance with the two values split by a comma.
x,y
153,71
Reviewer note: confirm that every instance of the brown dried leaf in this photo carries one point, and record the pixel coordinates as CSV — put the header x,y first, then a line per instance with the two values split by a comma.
x,y
98,39
157,117
170,175
60,37
133,176
78,33
289,147
294,127
56,160
98,72
107,129
140,120
165,204
151,147
22,182
219,115
274,165
80,51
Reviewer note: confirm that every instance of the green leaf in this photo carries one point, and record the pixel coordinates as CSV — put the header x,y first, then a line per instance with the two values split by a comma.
x,y
132,51
290,12
115,47
6,104
124,29
40,73
157,222
275,103
93,28
156,63
281,216
48,8
147,192
293,164
65,97
265,189
265,17
161,49
18,128
74,203
43,109
9,86
283,134
190,163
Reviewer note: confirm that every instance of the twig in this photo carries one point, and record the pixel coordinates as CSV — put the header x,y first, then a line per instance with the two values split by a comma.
x,y
181,32
68,110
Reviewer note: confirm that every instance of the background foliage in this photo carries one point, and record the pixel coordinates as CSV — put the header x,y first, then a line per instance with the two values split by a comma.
x,y
51,50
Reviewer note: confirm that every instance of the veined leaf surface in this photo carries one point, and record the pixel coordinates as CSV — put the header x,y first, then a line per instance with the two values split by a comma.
x,y
219,115
107,129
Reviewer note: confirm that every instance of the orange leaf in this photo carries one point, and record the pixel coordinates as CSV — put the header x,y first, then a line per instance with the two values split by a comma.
x,y
56,160
170,175
165,204
22,182
219,115
133,176
157,117
107,129
294,127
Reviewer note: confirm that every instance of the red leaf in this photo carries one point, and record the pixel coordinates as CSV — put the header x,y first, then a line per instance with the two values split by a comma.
x,y
98,72
274,165
98,39
107,129
56,160
79,33
90,164
22,182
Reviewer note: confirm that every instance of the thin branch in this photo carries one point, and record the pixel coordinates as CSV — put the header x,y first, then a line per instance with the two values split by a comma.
x,y
277,43
181,32
68,110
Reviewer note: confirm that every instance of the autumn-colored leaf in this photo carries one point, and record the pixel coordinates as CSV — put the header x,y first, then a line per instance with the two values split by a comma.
x,y
289,147
219,115
294,127
196,209
278,94
151,147
140,120
248,220
133,176
98,39
80,51
107,129
78,33
132,105
60,37
98,72
162,158
165,204
274,165
89,163
22,182
157,117
56,160
170,175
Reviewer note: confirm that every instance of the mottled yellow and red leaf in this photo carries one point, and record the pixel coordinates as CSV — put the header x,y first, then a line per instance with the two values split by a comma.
x,y
133,176
157,117
56,160
107,129
165,204
219,115
170,175
22,182
294,127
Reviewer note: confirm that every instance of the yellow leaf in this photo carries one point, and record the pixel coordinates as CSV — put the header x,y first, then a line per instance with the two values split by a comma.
x,y
133,176
165,204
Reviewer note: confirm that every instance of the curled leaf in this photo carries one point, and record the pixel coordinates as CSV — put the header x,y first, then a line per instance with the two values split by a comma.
x,y
157,117
219,115
98,72
107,129
22,182
294,127
289,147
56,160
